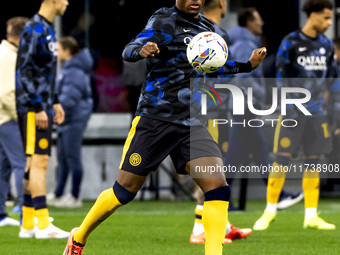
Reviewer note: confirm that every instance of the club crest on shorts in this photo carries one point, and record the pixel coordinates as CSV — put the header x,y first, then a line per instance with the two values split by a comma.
x,y
43,143
285,142
135,159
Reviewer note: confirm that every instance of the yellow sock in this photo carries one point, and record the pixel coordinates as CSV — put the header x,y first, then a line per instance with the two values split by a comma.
x,y
106,204
275,184
310,187
42,215
215,215
27,217
213,130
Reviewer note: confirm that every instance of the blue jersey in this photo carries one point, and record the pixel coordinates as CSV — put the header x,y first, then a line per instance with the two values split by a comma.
x,y
36,66
166,92
217,110
300,56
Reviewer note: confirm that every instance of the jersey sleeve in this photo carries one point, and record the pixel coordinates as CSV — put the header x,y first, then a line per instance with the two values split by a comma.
x,y
158,30
283,63
233,67
283,59
25,65
333,69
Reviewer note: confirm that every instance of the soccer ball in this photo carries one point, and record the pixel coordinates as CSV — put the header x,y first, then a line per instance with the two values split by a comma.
x,y
207,52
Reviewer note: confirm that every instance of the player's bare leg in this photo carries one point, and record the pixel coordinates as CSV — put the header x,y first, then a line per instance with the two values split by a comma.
x,y
26,229
35,201
37,181
37,187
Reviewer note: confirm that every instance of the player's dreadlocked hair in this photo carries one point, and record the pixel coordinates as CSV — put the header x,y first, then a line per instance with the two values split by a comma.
x,y
317,6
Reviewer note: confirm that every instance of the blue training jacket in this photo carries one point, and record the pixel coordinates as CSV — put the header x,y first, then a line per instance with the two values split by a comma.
x,y
74,88
312,60
36,67
166,92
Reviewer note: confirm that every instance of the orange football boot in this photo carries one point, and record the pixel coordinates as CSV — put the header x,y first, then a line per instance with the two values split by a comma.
x,y
71,248
238,233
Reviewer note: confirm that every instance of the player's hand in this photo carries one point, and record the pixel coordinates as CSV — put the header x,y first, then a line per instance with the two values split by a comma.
x,y
257,57
59,116
149,50
337,131
41,120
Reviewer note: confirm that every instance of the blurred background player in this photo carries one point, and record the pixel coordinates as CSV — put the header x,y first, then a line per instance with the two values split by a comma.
x,y
74,92
333,109
248,144
310,45
215,10
163,113
12,157
336,42
36,100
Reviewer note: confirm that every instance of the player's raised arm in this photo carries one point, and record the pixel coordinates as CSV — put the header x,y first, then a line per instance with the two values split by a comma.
x,y
149,42
232,67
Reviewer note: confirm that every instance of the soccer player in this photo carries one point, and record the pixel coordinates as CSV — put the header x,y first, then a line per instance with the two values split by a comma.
x,y
163,126
334,110
246,141
36,101
215,10
305,53
12,157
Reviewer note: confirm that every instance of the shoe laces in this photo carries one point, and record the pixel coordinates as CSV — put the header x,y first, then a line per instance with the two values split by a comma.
x,y
77,250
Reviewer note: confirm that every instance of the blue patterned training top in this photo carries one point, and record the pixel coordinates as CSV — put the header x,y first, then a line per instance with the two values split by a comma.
x,y
166,92
36,66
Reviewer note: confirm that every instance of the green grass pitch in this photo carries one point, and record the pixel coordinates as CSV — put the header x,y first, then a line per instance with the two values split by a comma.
x,y
164,227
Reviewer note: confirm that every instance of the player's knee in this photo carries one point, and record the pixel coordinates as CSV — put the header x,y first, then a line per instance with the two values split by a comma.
x,y
123,195
221,193
39,161
310,164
